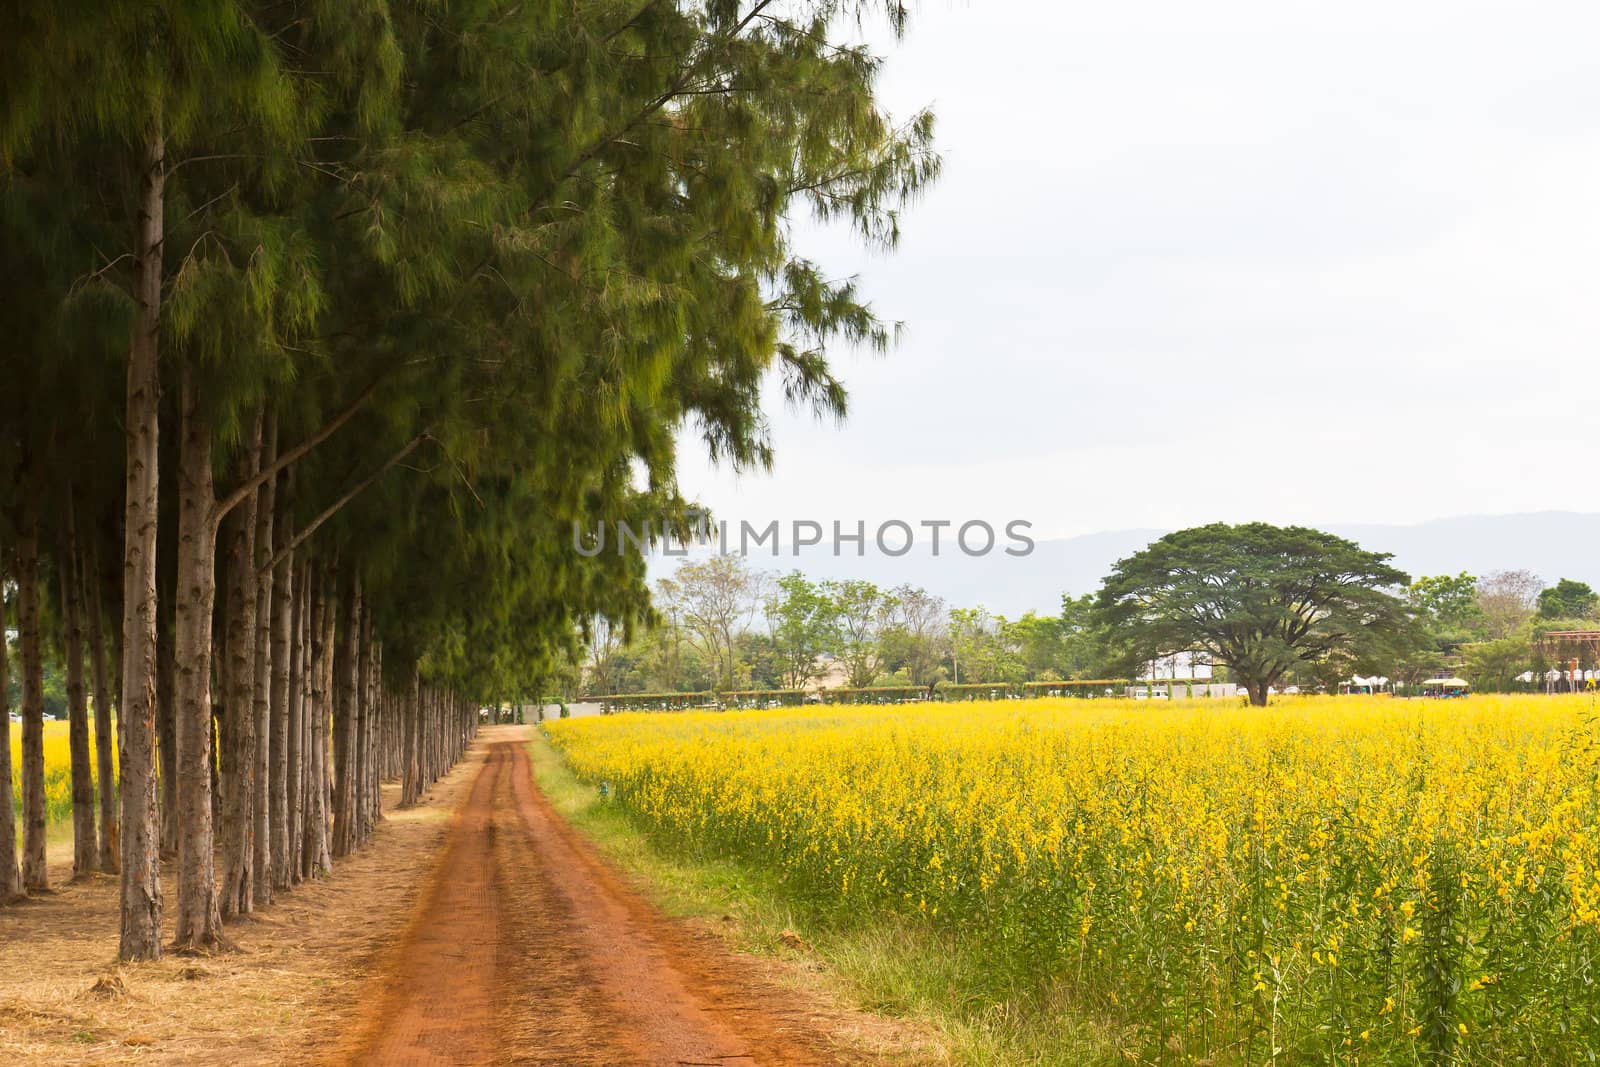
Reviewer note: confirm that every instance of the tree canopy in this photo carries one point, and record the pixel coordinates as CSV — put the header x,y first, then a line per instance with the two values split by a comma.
x,y
1568,599
354,310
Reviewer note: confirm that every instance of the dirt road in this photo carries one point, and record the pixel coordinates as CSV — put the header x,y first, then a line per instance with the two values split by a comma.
x,y
530,949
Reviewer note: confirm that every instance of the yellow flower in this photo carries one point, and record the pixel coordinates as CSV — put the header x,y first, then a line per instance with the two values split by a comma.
x,y
1322,832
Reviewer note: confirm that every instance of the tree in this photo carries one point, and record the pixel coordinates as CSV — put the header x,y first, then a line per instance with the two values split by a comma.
x,y
915,635
1040,644
716,600
761,665
1446,604
10,874
1448,615
104,733
1494,665
606,648
861,610
804,624
25,558
1567,599
1091,648
248,228
981,648
69,587
1507,600
1259,599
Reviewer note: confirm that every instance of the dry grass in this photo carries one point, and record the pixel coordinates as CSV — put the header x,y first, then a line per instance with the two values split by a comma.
x,y
289,995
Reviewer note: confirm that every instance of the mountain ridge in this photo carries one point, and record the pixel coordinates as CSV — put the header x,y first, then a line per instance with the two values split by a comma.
x,y
1552,544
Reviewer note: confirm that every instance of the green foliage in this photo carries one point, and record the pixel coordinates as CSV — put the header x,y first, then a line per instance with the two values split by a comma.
x,y
759,663
1494,665
1568,599
861,610
1040,644
1443,948
805,626
914,636
983,647
1447,605
524,249
55,685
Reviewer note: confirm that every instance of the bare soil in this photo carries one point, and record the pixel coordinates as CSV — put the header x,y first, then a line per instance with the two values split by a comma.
x,y
476,928
550,958
287,996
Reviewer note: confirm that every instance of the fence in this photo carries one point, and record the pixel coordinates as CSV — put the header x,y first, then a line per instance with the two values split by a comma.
x,y
880,694
1181,689
1079,688
876,694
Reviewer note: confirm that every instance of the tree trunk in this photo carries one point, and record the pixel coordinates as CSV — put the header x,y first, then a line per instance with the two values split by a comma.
x,y
435,737
35,876
381,709
410,770
104,735
345,722
136,698
316,856
431,738
10,873
294,754
284,634
236,756
167,733
199,924
361,821
436,713
311,687
85,843
261,574
322,728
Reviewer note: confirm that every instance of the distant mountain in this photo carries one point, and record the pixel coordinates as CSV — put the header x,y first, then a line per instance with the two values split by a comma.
x,y
1551,544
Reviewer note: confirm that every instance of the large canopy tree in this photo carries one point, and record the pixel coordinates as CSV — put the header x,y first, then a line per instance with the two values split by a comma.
x,y
1259,599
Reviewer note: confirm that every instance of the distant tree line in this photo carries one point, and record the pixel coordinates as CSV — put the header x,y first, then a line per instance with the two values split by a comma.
x,y
1266,607
1492,630
724,626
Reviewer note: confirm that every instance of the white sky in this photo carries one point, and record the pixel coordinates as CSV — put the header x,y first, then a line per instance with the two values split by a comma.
x,y
1291,261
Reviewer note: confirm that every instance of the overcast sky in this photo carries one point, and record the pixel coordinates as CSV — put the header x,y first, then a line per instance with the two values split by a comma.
x,y
1312,262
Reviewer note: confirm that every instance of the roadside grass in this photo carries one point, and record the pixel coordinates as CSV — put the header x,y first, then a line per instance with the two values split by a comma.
x,y
881,964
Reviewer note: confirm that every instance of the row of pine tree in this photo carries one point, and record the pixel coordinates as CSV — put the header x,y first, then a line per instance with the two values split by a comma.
x,y
326,323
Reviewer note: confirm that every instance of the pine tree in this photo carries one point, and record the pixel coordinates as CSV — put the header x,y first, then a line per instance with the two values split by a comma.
x,y
104,736
504,296
69,584
10,874
35,875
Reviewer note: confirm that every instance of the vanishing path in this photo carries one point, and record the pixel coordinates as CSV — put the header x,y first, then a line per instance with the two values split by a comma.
x,y
528,948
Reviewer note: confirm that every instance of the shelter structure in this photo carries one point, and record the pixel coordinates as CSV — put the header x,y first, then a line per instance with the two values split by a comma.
x,y
1445,687
1570,651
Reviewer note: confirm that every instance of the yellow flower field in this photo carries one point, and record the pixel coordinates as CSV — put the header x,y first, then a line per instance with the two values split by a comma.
x,y
1345,879
57,767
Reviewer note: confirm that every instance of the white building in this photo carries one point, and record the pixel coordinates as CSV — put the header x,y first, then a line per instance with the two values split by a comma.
x,y
1180,666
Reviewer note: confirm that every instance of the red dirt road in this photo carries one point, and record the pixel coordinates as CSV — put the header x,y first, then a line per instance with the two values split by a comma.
x,y
529,949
